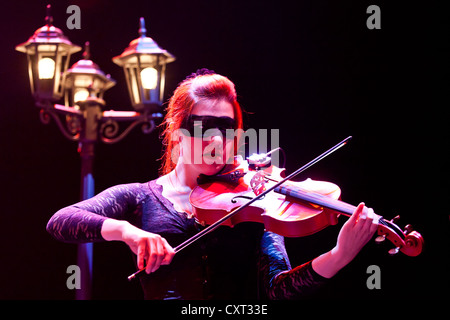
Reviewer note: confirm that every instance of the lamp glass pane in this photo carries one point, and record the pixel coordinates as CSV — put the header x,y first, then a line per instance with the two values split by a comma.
x,y
134,86
82,81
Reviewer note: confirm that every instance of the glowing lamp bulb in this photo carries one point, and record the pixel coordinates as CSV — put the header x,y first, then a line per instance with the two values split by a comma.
x,y
80,95
149,77
46,67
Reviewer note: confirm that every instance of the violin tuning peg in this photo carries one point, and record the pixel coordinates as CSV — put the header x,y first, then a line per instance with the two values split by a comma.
x,y
395,219
380,239
408,229
394,251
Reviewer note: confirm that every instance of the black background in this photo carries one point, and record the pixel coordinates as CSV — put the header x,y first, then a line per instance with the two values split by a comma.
x,y
311,69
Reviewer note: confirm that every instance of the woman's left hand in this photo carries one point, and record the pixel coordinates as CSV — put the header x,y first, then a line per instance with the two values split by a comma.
x,y
356,232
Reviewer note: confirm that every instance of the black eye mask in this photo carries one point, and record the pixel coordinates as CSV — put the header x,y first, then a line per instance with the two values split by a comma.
x,y
198,126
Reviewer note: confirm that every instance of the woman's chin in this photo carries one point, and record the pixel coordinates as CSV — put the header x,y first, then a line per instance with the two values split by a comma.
x,y
212,166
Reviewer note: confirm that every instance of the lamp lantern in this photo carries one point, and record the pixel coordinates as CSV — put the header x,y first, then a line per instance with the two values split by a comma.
x,y
85,79
144,64
48,52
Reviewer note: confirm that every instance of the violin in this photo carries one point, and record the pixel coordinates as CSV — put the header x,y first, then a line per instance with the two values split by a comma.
x,y
256,191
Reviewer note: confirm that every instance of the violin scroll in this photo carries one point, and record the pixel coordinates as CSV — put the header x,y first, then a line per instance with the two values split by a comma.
x,y
409,242
413,244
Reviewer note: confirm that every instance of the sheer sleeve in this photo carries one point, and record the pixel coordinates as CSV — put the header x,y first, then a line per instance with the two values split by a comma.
x,y
280,280
82,222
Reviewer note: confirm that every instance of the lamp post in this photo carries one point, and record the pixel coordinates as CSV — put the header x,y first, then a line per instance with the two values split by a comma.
x,y
82,118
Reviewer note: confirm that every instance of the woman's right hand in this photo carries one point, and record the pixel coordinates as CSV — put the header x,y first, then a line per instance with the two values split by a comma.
x,y
151,249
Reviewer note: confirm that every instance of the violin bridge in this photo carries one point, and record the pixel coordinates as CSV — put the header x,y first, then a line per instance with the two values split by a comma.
x,y
258,183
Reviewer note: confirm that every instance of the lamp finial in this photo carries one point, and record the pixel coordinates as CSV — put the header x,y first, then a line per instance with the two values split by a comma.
x,y
142,30
87,51
48,17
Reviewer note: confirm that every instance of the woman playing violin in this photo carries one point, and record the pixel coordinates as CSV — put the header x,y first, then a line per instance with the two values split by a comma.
x,y
152,218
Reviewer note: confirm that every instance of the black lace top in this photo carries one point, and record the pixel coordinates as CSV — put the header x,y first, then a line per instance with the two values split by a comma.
x,y
240,262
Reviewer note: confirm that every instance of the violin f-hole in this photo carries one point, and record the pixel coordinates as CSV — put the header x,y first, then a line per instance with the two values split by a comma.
x,y
233,200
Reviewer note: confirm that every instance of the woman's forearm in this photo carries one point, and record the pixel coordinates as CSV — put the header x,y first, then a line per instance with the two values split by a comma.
x,y
75,225
329,263
83,221
112,229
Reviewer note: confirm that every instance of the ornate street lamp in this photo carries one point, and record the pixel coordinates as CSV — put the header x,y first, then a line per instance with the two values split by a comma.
x,y
144,63
82,118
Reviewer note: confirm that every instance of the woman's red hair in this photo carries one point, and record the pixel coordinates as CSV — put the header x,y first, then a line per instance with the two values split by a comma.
x,y
189,92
